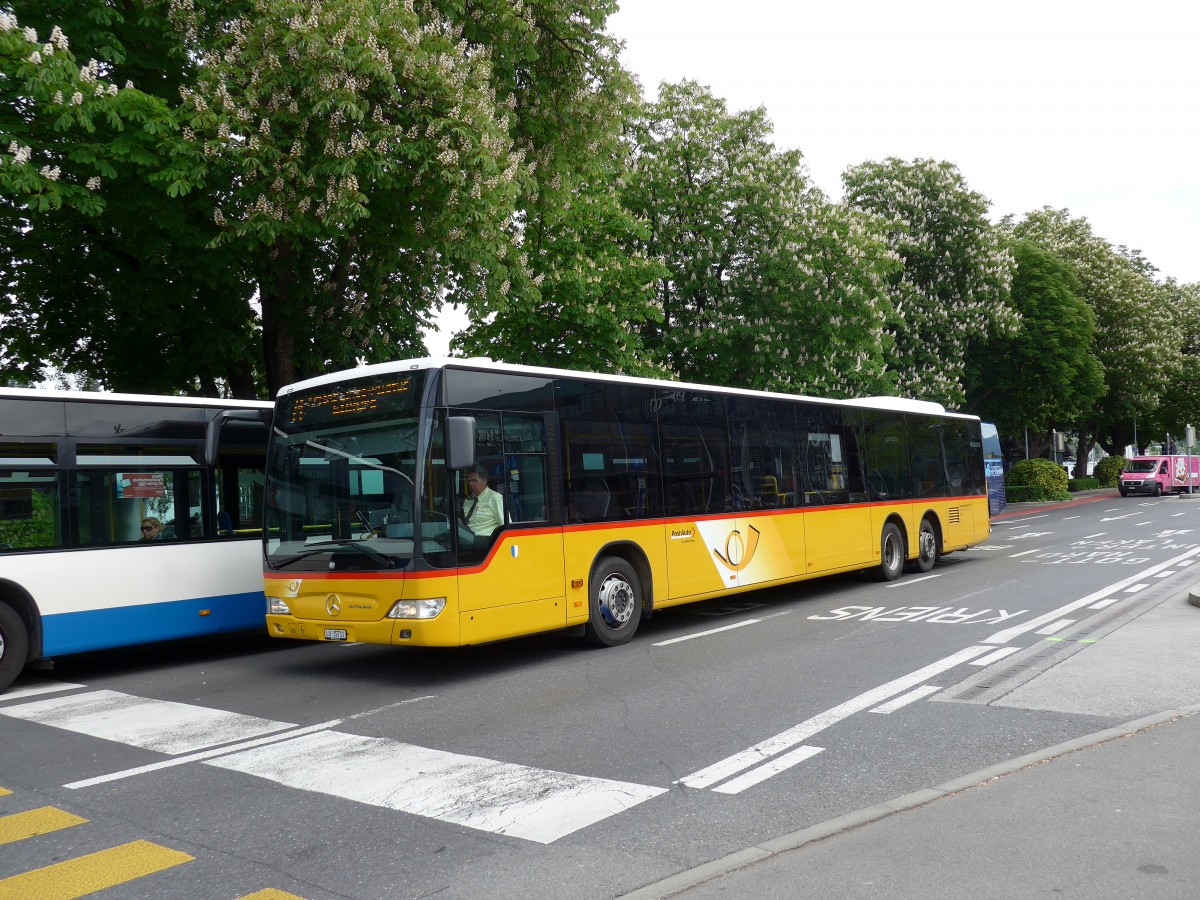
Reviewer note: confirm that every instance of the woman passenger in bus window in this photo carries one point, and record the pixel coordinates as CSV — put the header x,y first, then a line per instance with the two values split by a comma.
x,y
152,529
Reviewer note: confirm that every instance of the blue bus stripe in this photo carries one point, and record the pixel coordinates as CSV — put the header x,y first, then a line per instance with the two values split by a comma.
x,y
123,626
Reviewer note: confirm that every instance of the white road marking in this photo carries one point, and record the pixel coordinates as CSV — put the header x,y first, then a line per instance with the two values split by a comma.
x,y
1003,637
201,756
1165,574
904,699
1135,588
994,657
765,771
1097,534
1026,519
700,634
906,582
1104,603
160,725
797,734
535,804
1056,626
32,690
1069,518
1023,553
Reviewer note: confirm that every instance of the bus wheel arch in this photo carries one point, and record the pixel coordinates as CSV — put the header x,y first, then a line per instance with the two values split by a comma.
x,y
929,543
618,595
20,632
893,550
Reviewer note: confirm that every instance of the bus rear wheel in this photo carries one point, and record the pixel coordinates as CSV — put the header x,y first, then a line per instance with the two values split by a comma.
x,y
14,645
891,553
927,547
614,603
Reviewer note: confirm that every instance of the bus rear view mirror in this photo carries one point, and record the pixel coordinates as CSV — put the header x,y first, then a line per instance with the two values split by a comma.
x,y
460,442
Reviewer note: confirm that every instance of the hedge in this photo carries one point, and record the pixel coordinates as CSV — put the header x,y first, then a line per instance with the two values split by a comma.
x,y
1052,478
1025,493
1082,484
1108,470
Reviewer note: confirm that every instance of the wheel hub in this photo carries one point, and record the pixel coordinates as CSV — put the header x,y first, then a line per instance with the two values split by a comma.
x,y
616,599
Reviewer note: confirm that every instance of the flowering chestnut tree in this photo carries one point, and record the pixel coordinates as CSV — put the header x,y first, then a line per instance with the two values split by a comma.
x,y
1118,284
954,284
103,273
766,284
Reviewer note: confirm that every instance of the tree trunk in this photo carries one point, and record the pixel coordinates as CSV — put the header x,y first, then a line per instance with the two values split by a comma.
x,y
279,343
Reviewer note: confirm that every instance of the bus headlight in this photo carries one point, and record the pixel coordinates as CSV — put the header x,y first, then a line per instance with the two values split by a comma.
x,y
276,607
417,609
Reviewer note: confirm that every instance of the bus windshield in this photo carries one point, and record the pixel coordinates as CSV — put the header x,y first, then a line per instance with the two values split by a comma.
x,y
341,476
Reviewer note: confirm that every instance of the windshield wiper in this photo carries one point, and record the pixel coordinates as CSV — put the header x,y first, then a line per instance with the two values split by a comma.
x,y
331,546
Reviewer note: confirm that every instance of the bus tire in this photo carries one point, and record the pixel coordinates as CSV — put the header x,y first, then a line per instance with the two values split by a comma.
x,y
891,553
927,547
14,645
614,603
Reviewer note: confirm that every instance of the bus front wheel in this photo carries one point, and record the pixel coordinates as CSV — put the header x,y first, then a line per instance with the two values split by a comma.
x,y
891,553
14,645
614,603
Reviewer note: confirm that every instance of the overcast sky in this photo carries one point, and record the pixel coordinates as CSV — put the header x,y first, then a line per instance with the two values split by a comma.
x,y
1088,105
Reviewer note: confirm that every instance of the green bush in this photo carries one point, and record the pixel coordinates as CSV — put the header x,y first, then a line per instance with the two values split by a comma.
x,y
1082,484
1049,476
1108,470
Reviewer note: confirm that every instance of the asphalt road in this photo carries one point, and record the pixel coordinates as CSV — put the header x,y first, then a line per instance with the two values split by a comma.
x,y
541,767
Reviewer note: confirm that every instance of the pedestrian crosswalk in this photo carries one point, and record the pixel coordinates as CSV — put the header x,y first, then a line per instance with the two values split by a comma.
x,y
534,804
66,879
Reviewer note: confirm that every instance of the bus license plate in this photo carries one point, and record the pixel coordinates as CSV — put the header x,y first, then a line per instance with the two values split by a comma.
x,y
335,634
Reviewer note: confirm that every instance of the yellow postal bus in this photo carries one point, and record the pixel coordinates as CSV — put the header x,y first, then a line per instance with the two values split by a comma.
x,y
609,498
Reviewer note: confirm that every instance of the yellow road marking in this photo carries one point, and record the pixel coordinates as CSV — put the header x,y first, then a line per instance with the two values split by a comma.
x,y
4,792
23,825
270,894
94,872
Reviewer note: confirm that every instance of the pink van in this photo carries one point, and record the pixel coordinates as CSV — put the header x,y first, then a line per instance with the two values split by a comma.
x,y
1160,475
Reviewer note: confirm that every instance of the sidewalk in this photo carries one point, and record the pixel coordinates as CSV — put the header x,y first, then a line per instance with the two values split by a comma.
x,y
1110,815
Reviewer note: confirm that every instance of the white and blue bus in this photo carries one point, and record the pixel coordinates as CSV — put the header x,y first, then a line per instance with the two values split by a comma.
x,y
993,464
126,519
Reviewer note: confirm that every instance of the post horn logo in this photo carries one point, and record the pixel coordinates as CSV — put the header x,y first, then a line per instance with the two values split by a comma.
x,y
738,553
333,605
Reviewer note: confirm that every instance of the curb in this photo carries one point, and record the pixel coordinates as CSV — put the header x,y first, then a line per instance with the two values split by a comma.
x,y
680,882
1028,508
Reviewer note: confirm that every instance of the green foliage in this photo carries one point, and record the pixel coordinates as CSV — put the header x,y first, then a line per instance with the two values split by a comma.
x,y
1138,358
37,530
1044,473
109,274
767,285
1046,372
954,284
1108,470
1025,493
588,286
1082,484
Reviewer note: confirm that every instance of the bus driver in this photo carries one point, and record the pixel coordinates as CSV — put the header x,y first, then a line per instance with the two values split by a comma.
x,y
483,512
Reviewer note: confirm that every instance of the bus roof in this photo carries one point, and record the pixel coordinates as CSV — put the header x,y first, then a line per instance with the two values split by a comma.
x,y
895,404
106,397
